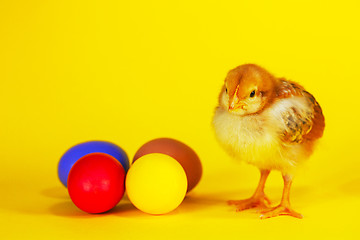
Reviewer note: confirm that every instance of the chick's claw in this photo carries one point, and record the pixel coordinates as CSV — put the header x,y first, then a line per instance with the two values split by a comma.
x,y
253,202
280,211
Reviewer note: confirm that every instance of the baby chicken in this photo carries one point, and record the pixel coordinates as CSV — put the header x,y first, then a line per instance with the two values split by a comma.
x,y
271,123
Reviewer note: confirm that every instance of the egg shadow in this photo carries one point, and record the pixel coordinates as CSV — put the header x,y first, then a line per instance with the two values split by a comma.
x,y
126,209
55,192
37,203
64,208
190,204
68,209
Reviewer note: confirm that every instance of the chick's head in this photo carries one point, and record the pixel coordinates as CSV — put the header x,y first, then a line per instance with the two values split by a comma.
x,y
247,90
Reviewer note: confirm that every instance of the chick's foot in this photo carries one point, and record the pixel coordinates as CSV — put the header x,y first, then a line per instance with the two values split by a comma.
x,y
254,202
280,211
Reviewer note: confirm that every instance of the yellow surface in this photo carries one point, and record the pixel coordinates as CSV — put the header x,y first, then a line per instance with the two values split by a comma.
x,y
128,72
156,183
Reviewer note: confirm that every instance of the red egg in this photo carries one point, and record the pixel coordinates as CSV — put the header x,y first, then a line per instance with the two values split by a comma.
x,y
188,159
96,183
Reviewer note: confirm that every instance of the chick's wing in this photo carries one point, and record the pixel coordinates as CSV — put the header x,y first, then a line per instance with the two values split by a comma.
x,y
300,121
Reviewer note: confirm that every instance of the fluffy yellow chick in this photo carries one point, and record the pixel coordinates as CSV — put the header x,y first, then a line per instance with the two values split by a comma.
x,y
269,122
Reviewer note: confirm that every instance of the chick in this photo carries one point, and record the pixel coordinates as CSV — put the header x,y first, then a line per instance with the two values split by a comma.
x,y
271,123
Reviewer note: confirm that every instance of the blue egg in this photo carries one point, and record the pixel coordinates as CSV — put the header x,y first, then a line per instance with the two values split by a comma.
x,y
78,151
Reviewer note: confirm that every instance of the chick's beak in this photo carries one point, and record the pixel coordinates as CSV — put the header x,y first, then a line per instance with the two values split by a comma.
x,y
234,106
235,103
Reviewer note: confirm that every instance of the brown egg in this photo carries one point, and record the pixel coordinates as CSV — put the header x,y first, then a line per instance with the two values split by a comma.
x,y
188,159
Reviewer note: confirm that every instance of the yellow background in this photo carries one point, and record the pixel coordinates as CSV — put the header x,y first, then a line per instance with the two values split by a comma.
x,y
131,71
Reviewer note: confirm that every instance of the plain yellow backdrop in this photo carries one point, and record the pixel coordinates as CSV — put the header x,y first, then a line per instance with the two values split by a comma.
x,y
131,71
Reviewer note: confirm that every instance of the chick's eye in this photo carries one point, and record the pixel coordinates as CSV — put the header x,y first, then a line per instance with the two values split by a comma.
x,y
226,90
252,94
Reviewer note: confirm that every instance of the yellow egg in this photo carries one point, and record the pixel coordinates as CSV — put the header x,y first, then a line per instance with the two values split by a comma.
x,y
156,183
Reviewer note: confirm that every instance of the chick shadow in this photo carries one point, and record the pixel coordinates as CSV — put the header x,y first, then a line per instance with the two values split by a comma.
x,y
216,204
351,187
202,201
